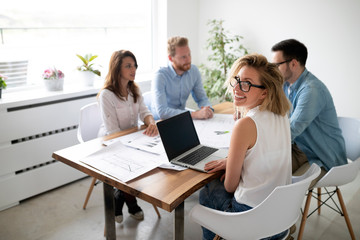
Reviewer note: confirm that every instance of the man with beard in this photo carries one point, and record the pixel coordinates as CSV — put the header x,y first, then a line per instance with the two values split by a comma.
x,y
173,84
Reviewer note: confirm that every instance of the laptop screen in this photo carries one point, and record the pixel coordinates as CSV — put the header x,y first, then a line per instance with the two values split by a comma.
x,y
178,134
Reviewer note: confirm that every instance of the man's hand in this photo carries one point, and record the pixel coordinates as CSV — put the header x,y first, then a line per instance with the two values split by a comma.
x,y
203,113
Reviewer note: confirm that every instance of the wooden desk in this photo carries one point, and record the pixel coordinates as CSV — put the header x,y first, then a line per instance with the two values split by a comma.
x,y
166,189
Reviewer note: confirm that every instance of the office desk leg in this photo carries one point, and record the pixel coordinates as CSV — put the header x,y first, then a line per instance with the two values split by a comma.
x,y
179,222
109,212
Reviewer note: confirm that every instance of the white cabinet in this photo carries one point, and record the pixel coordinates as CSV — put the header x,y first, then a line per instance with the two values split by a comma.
x,y
31,129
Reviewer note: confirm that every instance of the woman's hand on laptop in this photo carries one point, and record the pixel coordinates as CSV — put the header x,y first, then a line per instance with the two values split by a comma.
x,y
215,166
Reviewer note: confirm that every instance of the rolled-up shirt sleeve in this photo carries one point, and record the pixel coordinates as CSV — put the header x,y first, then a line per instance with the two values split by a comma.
x,y
198,92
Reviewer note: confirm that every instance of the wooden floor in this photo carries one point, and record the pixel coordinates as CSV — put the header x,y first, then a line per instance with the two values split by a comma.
x,y
58,215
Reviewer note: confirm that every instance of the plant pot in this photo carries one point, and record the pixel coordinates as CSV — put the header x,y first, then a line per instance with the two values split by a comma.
x,y
88,78
54,84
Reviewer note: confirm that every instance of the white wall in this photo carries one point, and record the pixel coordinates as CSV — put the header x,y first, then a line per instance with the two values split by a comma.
x,y
329,28
183,21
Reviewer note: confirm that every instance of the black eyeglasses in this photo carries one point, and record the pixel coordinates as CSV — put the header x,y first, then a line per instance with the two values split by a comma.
x,y
244,85
286,61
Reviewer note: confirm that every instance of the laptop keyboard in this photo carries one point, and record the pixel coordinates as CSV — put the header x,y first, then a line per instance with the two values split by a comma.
x,y
198,155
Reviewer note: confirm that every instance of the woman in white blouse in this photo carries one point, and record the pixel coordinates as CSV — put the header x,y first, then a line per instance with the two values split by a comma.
x,y
259,157
121,105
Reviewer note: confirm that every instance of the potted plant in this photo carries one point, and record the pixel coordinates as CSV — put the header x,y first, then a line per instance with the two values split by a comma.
x,y
225,50
88,69
2,83
53,79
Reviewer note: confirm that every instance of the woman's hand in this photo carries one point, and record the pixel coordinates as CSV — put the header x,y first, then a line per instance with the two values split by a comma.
x,y
151,130
215,166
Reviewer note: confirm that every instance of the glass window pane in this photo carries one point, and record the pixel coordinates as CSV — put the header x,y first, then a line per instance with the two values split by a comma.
x,y
50,34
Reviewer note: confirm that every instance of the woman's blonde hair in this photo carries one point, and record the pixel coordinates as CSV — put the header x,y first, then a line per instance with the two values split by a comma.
x,y
270,77
112,80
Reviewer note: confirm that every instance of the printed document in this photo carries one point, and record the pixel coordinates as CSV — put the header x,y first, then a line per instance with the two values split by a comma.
x,y
216,131
124,163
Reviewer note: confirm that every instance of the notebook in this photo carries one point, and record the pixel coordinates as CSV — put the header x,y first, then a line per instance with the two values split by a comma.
x,y
182,145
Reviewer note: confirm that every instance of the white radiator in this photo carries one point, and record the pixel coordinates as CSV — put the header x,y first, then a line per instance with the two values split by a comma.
x,y
30,131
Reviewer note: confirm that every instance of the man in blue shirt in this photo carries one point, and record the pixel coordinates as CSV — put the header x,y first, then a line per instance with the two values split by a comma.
x,y
314,125
173,84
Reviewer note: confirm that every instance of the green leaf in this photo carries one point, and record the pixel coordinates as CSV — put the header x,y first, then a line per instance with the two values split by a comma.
x,y
225,49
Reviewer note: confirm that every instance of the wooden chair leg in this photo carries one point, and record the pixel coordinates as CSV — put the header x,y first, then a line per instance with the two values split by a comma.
x,y
89,192
346,216
157,211
217,237
304,216
319,200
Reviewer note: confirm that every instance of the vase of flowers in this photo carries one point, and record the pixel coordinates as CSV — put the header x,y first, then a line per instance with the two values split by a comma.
x,y
53,79
2,83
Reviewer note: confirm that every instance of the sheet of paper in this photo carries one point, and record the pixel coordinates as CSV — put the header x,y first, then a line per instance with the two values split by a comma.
x,y
215,132
124,163
145,143
140,141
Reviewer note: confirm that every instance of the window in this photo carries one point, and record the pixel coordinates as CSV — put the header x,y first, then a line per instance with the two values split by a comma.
x,y
48,34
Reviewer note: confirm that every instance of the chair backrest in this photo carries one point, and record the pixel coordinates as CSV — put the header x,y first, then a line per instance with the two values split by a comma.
x,y
350,128
344,174
278,212
89,122
339,175
147,99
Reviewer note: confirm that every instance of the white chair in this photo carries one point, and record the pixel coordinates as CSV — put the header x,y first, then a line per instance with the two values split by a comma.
x,y
338,176
89,125
350,128
147,99
277,213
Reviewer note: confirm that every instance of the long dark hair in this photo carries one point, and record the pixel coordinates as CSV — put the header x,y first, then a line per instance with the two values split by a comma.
x,y
112,80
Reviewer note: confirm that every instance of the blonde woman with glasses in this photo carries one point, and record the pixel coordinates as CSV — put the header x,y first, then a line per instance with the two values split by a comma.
x,y
259,156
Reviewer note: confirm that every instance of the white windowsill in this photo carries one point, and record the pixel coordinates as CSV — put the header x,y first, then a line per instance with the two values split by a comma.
x,y
36,94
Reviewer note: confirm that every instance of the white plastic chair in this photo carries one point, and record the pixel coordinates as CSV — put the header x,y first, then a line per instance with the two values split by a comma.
x,y
89,125
338,176
147,99
350,128
277,213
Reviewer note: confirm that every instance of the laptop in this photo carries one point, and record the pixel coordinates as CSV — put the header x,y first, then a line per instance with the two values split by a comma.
x,y
182,145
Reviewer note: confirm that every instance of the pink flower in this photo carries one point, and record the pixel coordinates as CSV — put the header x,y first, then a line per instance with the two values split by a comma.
x,y
3,77
52,73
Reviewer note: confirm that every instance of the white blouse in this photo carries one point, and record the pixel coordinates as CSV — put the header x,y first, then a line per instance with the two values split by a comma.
x,y
119,114
268,163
